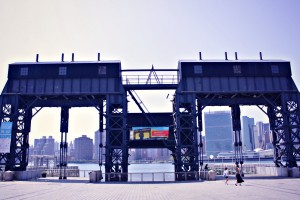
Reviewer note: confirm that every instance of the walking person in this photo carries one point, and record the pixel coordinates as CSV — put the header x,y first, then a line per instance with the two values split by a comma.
x,y
226,175
238,176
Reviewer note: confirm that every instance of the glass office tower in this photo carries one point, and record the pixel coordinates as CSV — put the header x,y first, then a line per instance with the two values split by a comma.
x,y
218,132
247,133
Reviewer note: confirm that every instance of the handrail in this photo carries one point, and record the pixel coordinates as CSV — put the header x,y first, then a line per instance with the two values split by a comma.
x,y
144,79
157,176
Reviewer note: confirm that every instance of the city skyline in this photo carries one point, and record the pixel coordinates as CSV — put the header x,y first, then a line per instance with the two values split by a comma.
x,y
256,142
85,149
92,135
141,34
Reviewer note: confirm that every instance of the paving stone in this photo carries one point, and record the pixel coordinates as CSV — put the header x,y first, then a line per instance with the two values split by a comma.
x,y
77,188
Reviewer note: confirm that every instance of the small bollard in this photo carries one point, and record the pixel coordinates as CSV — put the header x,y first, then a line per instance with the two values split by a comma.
x,y
8,176
211,175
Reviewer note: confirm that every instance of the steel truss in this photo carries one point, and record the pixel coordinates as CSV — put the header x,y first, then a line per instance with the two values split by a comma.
x,y
283,112
186,147
14,110
116,159
284,116
19,110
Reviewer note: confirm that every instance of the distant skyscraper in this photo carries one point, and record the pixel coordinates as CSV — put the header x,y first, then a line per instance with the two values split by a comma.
x,y
218,132
83,148
141,154
247,133
44,146
71,150
266,141
97,141
96,145
56,148
163,154
259,126
204,144
256,136
262,136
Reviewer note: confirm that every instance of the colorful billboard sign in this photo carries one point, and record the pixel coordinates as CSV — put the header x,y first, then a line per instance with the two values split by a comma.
x,y
149,133
5,137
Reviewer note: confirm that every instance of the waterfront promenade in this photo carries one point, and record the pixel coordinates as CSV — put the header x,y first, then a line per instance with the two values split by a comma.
x,y
254,188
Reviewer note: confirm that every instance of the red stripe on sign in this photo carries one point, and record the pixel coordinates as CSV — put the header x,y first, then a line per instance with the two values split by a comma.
x,y
159,133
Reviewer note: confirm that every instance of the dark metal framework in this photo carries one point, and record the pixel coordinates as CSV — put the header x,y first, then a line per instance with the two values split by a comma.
x,y
235,83
198,84
186,139
237,139
284,115
116,159
14,110
63,148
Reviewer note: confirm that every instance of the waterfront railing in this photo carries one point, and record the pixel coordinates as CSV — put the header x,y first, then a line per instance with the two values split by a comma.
x,y
156,176
215,169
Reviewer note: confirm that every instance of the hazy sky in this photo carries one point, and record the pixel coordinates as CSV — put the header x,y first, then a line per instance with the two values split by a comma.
x,y
141,33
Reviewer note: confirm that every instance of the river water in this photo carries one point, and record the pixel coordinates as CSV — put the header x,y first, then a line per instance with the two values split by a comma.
x,y
132,168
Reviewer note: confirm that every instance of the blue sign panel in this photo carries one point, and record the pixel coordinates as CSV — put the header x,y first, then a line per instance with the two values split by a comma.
x,y
5,136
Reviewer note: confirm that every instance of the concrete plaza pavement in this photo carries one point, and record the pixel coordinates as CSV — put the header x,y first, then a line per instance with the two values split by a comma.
x,y
255,188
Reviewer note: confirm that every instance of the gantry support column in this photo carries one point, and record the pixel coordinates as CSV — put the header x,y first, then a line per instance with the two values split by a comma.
x,y
236,126
23,127
100,150
200,129
116,156
20,115
63,153
9,111
275,119
186,148
285,127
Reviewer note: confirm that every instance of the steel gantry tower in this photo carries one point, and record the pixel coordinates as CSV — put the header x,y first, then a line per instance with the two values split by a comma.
x,y
263,83
105,86
33,86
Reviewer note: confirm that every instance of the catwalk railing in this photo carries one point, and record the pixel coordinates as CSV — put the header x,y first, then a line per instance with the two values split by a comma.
x,y
145,79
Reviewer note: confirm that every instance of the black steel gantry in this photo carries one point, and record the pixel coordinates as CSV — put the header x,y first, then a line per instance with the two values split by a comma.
x,y
197,84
